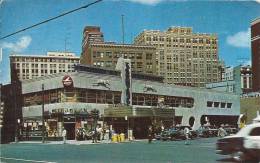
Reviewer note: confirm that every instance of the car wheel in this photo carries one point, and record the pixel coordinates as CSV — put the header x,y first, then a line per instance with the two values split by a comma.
x,y
238,156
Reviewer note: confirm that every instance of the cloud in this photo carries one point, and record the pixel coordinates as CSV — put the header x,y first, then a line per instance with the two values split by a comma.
x,y
19,45
240,39
257,1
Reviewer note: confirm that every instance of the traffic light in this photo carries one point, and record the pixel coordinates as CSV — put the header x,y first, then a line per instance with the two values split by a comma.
x,y
128,83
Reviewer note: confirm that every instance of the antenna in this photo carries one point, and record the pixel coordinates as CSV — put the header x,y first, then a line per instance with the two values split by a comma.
x,y
67,38
123,30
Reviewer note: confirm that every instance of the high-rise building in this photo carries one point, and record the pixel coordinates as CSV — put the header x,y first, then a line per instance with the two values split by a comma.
x,y
91,34
106,55
33,66
184,57
255,45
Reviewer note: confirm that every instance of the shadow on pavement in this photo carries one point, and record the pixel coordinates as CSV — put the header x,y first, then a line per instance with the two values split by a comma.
x,y
225,160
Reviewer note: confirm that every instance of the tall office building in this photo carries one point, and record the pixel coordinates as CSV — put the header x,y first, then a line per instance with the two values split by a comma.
x,y
33,66
98,53
255,45
91,34
184,57
106,55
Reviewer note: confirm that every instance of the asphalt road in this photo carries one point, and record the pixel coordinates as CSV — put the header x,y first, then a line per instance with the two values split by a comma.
x,y
199,151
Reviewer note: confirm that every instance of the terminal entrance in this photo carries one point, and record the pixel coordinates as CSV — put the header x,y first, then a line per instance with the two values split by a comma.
x,y
70,128
69,125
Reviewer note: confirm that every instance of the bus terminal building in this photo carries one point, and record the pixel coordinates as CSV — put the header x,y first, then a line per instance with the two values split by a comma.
x,y
69,97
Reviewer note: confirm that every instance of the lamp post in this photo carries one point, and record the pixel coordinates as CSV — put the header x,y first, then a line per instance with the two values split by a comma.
x,y
43,125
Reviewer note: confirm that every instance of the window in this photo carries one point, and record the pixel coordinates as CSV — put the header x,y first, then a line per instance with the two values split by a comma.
x,y
229,105
209,103
223,105
255,132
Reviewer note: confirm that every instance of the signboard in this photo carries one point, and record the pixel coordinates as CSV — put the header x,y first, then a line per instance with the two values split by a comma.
x,y
67,81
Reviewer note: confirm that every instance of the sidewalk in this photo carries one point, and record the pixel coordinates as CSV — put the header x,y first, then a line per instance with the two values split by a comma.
x,y
73,142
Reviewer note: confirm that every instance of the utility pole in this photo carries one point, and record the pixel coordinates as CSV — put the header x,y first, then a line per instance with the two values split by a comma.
x,y
43,125
123,30
14,88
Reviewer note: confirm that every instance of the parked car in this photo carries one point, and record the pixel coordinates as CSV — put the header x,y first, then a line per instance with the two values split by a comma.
x,y
245,145
165,135
230,129
177,132
193,133
207,131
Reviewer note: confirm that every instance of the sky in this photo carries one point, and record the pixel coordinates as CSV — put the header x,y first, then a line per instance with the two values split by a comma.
x,y
229,19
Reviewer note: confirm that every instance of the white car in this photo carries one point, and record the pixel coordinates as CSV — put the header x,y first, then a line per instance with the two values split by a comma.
x,y
245,145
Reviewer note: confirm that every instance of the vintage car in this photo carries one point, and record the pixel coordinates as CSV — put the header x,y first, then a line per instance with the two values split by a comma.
x,y
176,133
230,129
245,145
207,131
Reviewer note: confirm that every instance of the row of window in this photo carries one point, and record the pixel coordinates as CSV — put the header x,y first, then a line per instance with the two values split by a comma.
x,y
213,104
60,60
105,97
182,40
130,55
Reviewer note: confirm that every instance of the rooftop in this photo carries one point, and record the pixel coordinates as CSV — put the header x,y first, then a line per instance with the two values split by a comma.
x,y
141,76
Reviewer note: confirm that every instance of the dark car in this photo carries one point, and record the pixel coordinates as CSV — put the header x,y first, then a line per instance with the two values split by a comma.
x,y
165,135
207,131
230,129
245,145
193,133
177,132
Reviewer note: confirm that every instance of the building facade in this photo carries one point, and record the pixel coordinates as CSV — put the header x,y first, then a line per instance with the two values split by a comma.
x,y
33,66
10,112
237,80
184,57
246,79
106,55
255,46
152,101
91,34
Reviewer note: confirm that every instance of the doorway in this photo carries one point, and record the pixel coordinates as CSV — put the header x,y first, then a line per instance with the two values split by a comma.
x,y
70,127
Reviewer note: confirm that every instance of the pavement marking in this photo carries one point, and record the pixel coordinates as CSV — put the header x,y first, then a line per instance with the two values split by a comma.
x,y
17,159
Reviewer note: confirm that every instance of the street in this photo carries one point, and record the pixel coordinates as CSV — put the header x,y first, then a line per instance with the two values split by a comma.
x,y
199,151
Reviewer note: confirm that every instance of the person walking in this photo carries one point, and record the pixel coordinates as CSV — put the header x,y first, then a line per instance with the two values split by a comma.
x,y
150,134
187,135
64,135
221,131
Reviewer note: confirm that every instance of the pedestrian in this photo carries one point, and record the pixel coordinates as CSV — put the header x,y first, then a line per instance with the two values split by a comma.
x,y
27,133
94,135
64,135
221,131
150,134
187,135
